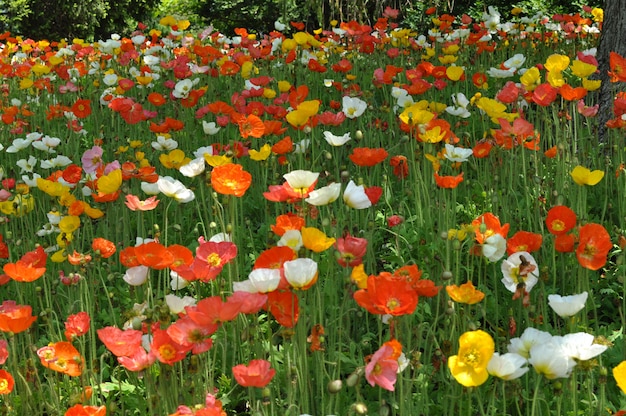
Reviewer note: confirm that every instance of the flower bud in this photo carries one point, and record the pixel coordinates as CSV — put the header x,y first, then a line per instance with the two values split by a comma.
x,y
334,386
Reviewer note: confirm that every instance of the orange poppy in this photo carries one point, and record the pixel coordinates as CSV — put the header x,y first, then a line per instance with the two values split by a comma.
x,y
15,318
618,67
570,93
229,68
285,145
80,410
128,257
182,256
315,338
365,156
551,152
400,166
387,295
465,293
274,127
594,244
62,357
156,99
78,259
448,182
77,325
487,225
273,258
564,243
230,179
29,268
6,382
105,247
154,255
287,222
524,241
283,305
82,108
560,220
249,125
72,173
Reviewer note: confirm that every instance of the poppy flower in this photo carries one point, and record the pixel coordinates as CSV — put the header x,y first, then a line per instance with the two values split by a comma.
x,y
564,243
30,267
15,318
80,410
258,373
365,156
211,257
619,373
120,342
287,222
283,305
250,125
154,255
62,357
166,349
382,368
544,94
6,382
387,295
4,351
283,146
560,220
400,166
584,176
316,240
77,325
469,366
617,64
594,244
524,241
448,182
104,247
135,204
351,250
486,225
230,179
356,197
81,108
189,334
465,293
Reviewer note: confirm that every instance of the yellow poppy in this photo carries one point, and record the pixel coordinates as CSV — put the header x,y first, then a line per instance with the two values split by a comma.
x,y
469,366
584,176
262,154
315,240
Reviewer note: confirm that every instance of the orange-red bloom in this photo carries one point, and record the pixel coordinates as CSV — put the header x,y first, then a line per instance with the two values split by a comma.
x,y
365,156
387,294
465,293
560,220
618,67
524,241
230,179
594,244
258,373
103,246
81,108
77,325
448,182
487,225
29,268
15,318
62,357
6,382
287,222
121,343
154,255
249,125
80,410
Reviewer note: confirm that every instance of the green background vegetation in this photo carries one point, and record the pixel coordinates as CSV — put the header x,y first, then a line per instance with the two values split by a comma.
x,y
97,19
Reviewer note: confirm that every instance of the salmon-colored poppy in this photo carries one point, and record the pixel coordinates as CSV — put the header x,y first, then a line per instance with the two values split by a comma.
x,y
166,349
120,342
448,182
544,94
258,373
15,318
154,255
230,179
6,382
80,410
524,241
104,247
594,244
62,357
351,250
77,325
365,156
78,259
560,220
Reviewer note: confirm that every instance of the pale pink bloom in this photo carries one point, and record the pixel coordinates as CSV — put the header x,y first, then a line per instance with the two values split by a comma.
x,y
382,370
582,108
135,204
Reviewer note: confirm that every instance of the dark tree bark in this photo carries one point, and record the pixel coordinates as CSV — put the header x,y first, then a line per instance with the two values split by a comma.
x,y
612,39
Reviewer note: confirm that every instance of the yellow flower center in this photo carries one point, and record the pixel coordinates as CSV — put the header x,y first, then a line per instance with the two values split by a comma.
x,y
558,225
472,358
4,386
392,304
214,260
167,352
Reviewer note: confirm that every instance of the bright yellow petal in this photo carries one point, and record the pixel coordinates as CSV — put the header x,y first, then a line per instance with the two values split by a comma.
x,y
107,184
595,177
619,373
262,154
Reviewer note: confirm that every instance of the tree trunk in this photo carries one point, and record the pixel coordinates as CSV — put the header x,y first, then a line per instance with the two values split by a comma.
x,y
612,39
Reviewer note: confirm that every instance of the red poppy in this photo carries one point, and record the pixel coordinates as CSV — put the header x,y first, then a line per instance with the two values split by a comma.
x,y
479,80
165,349
365,156
213,311
387,295
154,255
283,146
182,256
72,173
82,108
524,241
77,325
482,149
191,335
120,342
448,182
128,257
15,318
560,220
544,94
258,373
273,258
130,111
230,179
286,222
80,410
62,357
211,257
156,99
351,250
104,247
564,243
594,244
283,305
274,127
6,382
400,166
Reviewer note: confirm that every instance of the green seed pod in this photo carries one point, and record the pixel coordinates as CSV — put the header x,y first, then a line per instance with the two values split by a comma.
x,y
334,386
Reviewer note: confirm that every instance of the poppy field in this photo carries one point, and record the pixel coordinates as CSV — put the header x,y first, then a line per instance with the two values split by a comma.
x,y
360,219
